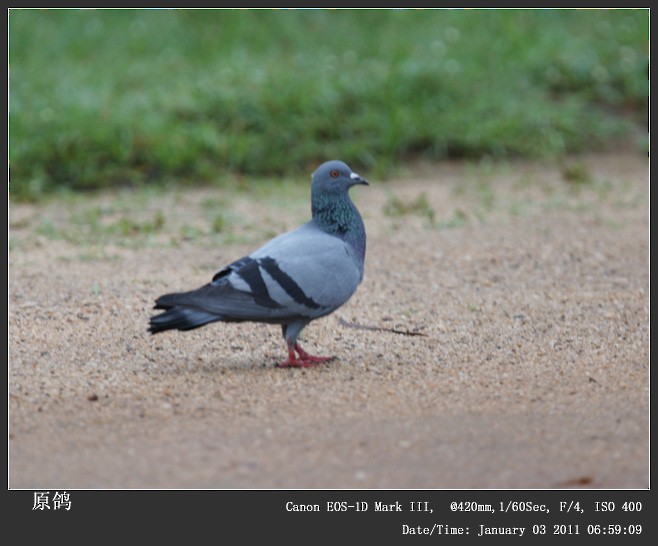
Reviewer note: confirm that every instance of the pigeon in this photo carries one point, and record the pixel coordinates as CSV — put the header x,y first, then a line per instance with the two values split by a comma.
x,y
293,279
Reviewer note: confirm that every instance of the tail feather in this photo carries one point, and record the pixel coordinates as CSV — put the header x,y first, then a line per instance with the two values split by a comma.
x,y
212,303
181,318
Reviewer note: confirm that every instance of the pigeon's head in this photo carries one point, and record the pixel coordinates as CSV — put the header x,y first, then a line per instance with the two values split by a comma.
x,y
335,177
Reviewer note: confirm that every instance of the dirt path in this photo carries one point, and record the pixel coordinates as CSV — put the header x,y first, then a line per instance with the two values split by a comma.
x,y
526,289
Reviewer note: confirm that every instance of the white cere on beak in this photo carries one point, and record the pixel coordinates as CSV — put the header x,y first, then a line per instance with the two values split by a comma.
x,y
358,179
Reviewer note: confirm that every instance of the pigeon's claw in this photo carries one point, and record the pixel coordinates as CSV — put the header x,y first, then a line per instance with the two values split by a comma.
x,y
304,360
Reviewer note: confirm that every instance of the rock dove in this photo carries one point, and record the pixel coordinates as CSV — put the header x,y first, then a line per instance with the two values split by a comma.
x,y
297,277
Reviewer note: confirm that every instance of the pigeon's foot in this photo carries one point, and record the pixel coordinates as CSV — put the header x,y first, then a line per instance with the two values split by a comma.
x,y
305,360
305,357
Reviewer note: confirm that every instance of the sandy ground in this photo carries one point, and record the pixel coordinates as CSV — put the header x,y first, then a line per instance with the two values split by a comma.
x,y
502,344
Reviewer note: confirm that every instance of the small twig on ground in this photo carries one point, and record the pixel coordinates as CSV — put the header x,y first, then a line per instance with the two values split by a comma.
x,y
379,328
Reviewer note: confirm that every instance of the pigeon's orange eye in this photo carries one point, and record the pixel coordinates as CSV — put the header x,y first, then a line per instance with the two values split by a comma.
x,y
334,174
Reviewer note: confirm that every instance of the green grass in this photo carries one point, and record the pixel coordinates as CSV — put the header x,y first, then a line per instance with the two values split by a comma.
x,y
108,98
396,207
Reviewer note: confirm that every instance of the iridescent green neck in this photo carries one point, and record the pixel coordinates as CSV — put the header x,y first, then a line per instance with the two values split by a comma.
x,y
338,216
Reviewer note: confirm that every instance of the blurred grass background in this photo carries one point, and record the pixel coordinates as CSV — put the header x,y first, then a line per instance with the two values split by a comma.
x,y
108,98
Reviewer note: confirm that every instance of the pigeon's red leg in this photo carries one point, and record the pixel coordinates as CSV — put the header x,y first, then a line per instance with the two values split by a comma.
x,y
309,359
305,360
293,361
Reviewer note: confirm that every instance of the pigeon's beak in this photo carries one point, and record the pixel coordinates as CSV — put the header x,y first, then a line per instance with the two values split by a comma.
x,y
358,179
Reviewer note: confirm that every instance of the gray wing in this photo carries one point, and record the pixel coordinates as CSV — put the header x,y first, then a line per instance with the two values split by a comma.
x,y
306,271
